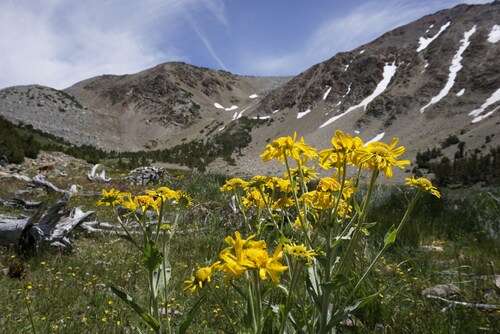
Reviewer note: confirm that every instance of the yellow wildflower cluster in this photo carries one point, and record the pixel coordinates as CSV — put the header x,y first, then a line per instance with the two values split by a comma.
x,y
240,256
151,200
345,150
423,184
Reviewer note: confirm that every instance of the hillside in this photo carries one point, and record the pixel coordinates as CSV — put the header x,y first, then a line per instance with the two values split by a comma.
x,y
435,77
423,82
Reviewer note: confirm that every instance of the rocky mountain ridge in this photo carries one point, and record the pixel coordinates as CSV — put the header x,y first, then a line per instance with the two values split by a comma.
x,y
423,82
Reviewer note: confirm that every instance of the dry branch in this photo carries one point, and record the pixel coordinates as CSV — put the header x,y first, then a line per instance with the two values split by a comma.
x,y
46,227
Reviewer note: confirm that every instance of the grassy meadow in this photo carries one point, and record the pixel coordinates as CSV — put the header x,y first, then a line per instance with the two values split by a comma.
x,y
449,240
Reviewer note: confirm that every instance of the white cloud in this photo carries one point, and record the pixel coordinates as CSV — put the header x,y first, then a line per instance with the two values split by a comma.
x,y
58,43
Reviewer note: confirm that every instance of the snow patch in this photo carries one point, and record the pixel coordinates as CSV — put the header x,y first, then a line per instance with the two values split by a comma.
x,y
361,52
326,93
238,115
356,132
494,35
303,113
424,42
480,118
347,66
389,71
454,68
261,117
275,111
494,98
376,138
253,96
348,90
219,106
461,92
221,128
426,64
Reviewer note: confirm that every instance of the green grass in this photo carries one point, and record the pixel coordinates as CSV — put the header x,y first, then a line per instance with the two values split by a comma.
x,y
68,293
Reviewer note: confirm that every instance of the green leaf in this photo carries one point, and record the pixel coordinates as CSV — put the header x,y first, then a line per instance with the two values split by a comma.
x,y
360,303
366,227
349,309
152,257
129,239
356,206
150,320
238,290
390,236
312,288
191,314
337,282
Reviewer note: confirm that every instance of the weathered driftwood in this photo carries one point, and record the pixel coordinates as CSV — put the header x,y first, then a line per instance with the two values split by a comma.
x,y
145,175
483,307
46,227
20,203
106,228
39,181
93,176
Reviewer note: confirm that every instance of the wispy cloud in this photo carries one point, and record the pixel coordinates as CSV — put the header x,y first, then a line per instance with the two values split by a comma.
x,y
219,13
58,43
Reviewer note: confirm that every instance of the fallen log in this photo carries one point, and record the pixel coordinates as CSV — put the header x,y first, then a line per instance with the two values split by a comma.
x,y
479,306
39,181
45,228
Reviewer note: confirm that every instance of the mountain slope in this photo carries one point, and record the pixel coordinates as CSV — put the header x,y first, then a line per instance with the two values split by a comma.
x,y
160,107
423,82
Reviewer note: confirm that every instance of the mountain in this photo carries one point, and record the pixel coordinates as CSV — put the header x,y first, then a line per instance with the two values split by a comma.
x,y
159,107
426,82
423,82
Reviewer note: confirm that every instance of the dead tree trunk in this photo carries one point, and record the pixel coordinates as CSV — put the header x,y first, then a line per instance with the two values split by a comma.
x,y
47,227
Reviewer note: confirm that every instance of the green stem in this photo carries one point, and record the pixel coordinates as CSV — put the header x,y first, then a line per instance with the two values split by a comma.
x,y
302,218
386,245
222,307
297,268
258,300
361,220
28,308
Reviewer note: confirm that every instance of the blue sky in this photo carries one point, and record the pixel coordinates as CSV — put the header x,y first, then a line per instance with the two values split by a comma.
x,y
60,42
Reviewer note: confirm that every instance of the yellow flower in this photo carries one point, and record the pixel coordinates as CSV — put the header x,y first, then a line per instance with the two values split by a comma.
x,y
250,254
381,156
289,147
329,184
424,184
131,203
234,184
259,181
342,151
147,202
201,278
282,203
300,251
308,173
184,200
254,198
112,197
167,193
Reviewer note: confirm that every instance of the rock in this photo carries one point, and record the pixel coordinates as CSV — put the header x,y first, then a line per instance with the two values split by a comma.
x,y
442,290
